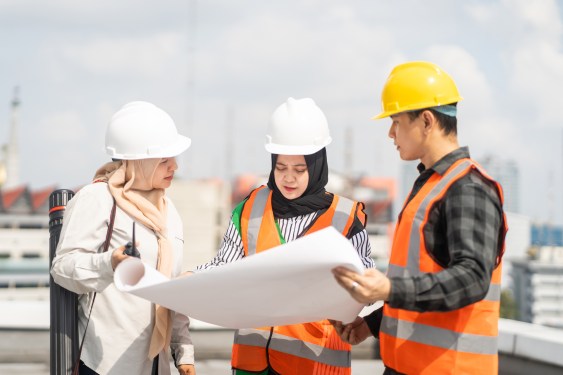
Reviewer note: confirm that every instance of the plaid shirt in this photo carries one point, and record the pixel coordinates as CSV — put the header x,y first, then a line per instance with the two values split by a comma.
x,y
463,234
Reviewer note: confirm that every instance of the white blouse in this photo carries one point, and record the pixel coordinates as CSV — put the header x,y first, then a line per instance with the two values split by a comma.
x,y
121,324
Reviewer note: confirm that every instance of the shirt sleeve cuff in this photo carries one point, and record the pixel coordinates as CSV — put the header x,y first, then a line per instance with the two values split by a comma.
x,y
185,355
373,321
105,266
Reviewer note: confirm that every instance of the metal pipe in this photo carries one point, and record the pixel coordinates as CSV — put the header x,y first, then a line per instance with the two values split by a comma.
x,y
64,303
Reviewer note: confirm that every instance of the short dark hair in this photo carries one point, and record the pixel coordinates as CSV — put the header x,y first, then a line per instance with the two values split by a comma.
x,y
447,123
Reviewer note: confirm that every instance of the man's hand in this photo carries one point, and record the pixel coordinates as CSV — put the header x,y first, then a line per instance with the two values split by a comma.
x,y
352,333
370,287
186,369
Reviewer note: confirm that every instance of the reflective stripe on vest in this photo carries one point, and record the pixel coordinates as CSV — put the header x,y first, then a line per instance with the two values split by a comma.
x,y
292,346
256,213
442,338
342,213
341,216
453,341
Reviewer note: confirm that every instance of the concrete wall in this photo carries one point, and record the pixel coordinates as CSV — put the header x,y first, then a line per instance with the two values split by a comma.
x,y
17,243
526,348
205,208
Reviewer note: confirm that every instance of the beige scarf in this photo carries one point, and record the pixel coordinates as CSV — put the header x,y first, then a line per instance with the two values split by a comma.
x,y
130,183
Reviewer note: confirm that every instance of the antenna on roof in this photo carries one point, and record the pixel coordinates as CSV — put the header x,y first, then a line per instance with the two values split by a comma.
x,y
11,156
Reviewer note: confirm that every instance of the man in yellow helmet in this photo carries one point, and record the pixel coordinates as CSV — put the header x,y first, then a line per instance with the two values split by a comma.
x,y
442,287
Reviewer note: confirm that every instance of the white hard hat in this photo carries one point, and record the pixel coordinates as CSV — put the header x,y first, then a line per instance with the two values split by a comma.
x,y
141,130
297,127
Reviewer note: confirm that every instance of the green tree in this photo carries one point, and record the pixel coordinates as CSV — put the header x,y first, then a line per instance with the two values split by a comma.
x,y
508,305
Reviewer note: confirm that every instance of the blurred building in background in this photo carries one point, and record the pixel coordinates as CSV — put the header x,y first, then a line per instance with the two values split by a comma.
x,y
506,173
538,286
537,277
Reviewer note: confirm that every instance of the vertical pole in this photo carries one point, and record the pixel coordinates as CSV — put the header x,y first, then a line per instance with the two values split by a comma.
x,y
348,152
190,159
64,321
229,143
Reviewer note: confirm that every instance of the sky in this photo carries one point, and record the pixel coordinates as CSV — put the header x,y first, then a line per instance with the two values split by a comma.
x,y
220,68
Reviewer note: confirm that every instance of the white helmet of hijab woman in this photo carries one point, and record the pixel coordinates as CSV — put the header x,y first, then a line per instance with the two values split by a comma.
x,y
297,127
141,130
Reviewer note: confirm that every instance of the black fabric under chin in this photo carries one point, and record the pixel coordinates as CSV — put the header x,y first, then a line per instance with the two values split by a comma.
x,y
314,198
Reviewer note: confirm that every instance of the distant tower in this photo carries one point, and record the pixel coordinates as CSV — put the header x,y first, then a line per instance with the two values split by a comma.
x,y
11,156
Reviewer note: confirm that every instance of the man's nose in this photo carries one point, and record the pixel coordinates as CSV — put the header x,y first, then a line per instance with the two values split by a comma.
x,y
391,133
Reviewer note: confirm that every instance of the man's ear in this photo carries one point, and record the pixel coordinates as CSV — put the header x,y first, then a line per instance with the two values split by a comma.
x,y
429,120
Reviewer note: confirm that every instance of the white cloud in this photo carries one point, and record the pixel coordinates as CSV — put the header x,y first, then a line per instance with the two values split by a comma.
x,y
532,55
536,62
542,17
68,124
538,77
128,57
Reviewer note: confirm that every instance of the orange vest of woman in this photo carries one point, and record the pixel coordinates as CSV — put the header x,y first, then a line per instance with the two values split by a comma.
x,y
310,348
462,341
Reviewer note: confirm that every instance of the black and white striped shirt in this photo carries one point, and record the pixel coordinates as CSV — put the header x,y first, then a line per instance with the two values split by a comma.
x,y
232,249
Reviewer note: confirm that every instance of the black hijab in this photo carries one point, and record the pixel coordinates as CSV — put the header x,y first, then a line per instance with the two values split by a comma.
x,y
314,197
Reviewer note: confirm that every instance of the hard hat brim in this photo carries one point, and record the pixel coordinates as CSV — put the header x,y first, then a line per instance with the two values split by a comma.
x,y
385,114
274,148
380,116
181,144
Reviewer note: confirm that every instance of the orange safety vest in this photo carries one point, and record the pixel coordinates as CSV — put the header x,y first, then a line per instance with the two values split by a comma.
x,y
462,341
309,348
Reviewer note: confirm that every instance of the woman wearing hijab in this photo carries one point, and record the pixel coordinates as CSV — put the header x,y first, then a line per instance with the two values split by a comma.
x,y
293,204
121,333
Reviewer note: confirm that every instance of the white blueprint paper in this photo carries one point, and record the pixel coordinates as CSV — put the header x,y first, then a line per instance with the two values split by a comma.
x,y
289,284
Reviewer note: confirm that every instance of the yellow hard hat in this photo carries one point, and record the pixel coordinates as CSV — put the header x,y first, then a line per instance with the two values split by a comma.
x,y
416,85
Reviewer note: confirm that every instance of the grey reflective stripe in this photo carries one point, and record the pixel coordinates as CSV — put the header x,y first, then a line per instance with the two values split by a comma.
x,y
295,347
253,337
256,214
395,271
493,294
413,262
342,213
439,337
